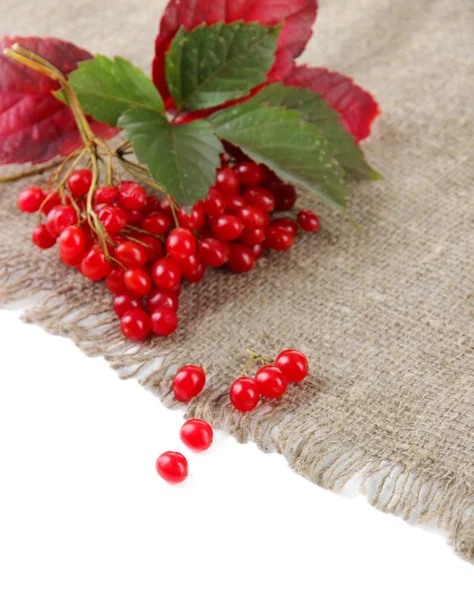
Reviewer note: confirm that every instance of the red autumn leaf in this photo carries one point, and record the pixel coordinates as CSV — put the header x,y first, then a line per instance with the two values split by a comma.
x,y
357,108
34,126
298,17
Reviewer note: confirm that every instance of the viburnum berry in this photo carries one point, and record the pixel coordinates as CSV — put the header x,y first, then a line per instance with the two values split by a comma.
x,y
227,227
214,204
233,203
241,258
131,196
176,289
164,321
135,324
59,218
271,382
261,197
192,269
154,247
30,199
250,173
133,217
113,218
188,382
252,217
152,205
165,206
193,219
51,201
196,434
131,254
181,243
162,298
258,251
114,281
166,273
172,467
71,261
157,223
244,394
72,242
287,224
42,238
293,364
79,182
278,238
125,302
308,220
105,195
227,181
285,196
213,253
250,237
95,265
138,281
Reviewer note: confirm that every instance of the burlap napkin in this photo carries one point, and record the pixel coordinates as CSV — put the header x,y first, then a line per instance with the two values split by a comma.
x,y
385,315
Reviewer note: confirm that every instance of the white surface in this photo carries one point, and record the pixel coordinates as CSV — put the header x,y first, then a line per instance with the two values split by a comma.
x,y
83,514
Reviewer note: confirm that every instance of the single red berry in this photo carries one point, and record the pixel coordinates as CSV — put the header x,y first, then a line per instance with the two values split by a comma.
x,y
71,261
154,248
95,265
165,206
172,467
135,324
293,364
289,225
59,218
72,242
166,273
193,219
252,217
51,201
164,321
162,298
131,254
196,434
227,227
227,181
278,238
42,238
261,197
105,195
125,302
131,196
188,382
271,382
241,258
213,253
192,269
181,243
157,223
250,237
308,221
233,203
214,205
80,182
285,196
176,289
113,218
134,217
258,251
115,282
138,281
152,205
244,394
250,173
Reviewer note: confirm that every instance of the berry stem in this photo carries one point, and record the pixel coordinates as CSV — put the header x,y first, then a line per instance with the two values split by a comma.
x,y
30,172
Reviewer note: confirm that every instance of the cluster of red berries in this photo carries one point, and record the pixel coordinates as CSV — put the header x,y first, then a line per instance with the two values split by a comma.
x,y
149,246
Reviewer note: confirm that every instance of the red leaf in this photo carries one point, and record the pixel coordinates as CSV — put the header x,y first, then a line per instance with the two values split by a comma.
x,y
34,126
357,108
298,16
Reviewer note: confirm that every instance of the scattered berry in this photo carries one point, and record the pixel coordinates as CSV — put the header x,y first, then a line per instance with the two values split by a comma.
x,y
172,467
196,434
244,394
271,382
293,364
308,221
188,382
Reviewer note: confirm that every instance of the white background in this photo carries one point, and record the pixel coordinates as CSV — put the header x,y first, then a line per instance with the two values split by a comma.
x,y
83,514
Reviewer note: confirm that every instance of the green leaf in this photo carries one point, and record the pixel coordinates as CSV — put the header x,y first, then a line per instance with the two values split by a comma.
x,y
293,147
183,158
106,88
316,110
212,64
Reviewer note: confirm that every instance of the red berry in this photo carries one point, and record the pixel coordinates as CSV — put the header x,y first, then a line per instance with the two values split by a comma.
x,y
138,281
125,302
192,269
165,206
71,261
227,227
250,237
113,218
278,238
135,324
261,197
227,181
157,223
213,253
72,242
188,382
95,265
181,243
194,219
105,195
131,254
115,282
196,434
152,205
176,289
172,467
289,225
233,203
308,221
53,200
166,273
80,182
252,217
164,321
131,196
133,217
271,382
154,248
241,258
285,196
42,238
258,251
161,298
214,204
244,394
59,218
293,364
31,199
250,173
